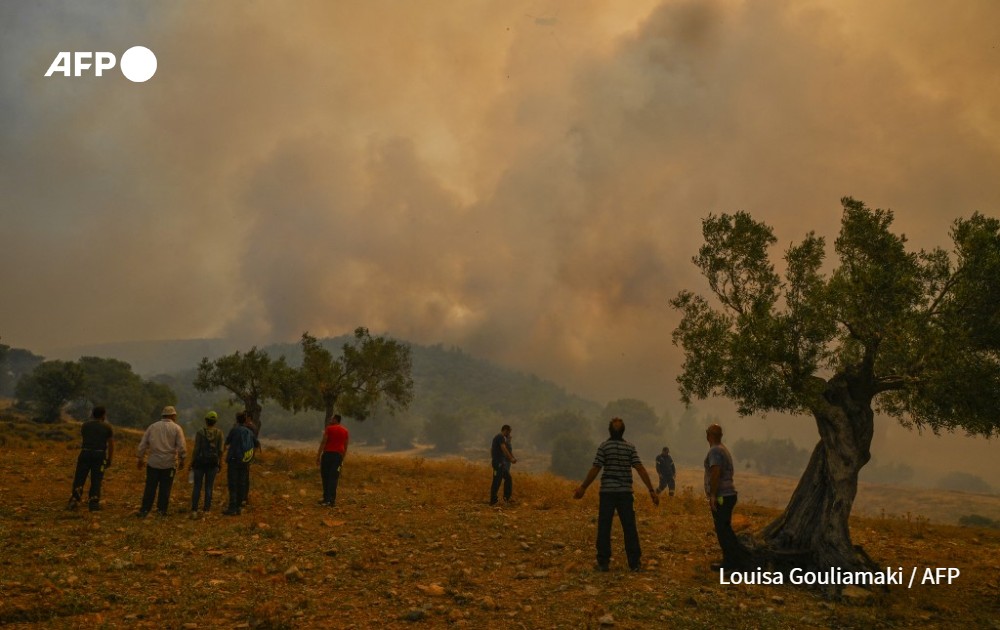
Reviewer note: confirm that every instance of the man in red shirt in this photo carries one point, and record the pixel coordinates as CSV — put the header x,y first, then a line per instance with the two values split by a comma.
x,y
330,458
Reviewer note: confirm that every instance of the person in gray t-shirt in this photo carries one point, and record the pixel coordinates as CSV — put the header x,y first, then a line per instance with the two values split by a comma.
x,y
721,493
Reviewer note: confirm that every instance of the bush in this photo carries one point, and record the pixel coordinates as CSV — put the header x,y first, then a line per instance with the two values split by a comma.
x,y
976,520
964,482
772,457
445,431
572,455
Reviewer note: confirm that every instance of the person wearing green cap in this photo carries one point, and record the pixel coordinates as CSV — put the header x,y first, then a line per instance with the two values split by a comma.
x,y
207,461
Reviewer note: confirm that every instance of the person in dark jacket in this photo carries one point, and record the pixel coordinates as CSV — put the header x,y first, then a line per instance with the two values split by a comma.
x,y
666,470
238,463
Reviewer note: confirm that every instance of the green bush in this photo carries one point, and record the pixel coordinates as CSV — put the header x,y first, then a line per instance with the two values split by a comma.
x,y
572,455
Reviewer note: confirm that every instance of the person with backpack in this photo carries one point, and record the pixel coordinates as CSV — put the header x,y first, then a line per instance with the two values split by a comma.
x,y
240,445
207,462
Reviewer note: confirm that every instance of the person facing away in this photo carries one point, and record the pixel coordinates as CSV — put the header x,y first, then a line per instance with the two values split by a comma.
x,y
238,463
617,458
96,452
330,458
666,470
721,492
206,462
501,457
164,442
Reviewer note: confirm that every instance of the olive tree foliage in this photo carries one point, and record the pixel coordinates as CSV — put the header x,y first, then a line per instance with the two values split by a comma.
x,y
49,387
912,335
130,400
368,371
252,378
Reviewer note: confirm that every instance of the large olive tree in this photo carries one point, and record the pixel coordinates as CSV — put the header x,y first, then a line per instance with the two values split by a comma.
x,y
912,335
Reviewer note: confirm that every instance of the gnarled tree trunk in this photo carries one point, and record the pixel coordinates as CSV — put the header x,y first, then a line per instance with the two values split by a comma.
x,y
813,531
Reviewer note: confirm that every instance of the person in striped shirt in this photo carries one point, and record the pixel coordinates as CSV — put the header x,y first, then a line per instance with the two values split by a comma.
x,y
617,458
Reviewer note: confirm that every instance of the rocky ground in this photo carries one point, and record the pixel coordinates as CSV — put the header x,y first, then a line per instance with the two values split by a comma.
x,y
413,543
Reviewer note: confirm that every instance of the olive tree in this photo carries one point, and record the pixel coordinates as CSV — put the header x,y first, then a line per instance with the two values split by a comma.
x,y
252,378
912,335
369,370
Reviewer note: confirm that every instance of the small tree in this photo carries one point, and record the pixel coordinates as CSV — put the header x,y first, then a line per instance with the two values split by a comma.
x,y
547,428
252,379
641,422
130,400
572,455
369,370
914,335
445,431
49,387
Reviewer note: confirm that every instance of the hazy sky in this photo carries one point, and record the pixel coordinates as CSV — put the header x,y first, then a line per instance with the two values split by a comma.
x,y
524,179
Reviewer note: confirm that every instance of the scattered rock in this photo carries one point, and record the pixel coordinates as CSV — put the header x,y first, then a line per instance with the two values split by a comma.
x,y
856,595
434,590
292,574
414,614
778,599
606,620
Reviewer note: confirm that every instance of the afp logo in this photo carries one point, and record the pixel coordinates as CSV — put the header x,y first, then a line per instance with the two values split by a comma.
x,y
138,64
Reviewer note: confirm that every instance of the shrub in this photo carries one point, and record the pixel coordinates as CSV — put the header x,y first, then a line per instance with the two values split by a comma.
x,y
572,455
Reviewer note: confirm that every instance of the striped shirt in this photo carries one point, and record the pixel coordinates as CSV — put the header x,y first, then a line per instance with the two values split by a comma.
x,y
616,458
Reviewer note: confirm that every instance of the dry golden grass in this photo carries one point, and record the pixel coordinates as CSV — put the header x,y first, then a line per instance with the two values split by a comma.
x,y
413,543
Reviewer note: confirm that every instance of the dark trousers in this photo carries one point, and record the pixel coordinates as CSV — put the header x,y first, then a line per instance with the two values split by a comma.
x,y
204,476
734,555
90,462
665,481
501,473
329,468
238,478
623,503
159,481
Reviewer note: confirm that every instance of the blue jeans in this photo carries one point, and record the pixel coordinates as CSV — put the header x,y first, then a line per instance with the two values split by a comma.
x,y
624,504
206,476
501,473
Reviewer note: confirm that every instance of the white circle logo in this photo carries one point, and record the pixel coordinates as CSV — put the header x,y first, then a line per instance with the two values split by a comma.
x,y
138,64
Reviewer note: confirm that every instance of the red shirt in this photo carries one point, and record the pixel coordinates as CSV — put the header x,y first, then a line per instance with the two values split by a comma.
x,y
336,439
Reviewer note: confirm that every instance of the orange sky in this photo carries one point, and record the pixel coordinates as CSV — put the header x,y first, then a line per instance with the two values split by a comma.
x,y
523,179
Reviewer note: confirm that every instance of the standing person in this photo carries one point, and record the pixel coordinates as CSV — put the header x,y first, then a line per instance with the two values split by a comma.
x,y
206,461
164,441
721,493
255,429
617,457
330,458
666,470
240,445
502,456
95,457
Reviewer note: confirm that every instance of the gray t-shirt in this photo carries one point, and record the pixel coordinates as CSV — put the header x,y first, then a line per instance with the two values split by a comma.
x,y
719,456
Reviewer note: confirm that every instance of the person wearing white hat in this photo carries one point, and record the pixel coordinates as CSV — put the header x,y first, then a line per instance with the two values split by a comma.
x,y
164,443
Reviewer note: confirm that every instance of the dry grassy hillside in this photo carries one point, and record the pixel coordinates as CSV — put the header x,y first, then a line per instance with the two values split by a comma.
x,y
412,543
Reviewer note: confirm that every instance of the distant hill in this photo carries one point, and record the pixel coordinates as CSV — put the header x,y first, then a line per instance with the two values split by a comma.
x,y
446,381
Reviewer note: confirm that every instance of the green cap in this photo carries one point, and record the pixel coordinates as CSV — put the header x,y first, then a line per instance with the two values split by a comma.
x,y
211,415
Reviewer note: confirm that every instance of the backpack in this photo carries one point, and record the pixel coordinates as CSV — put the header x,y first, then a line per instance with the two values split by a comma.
x,y
206,456
246,445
